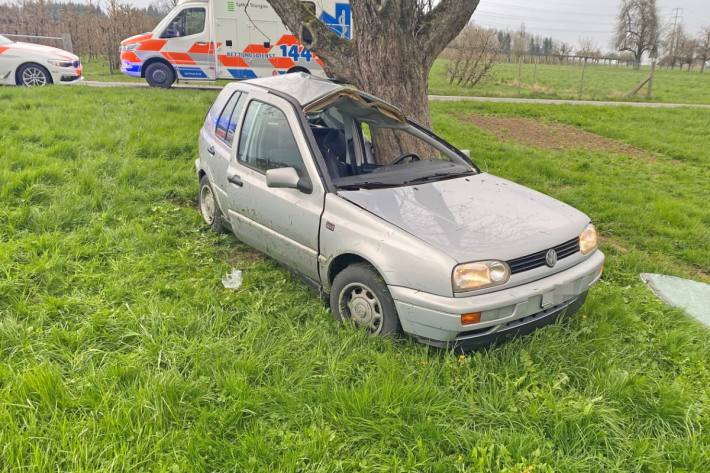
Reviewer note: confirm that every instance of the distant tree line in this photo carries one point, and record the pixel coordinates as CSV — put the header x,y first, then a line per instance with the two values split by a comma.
x,y
96,27
639,32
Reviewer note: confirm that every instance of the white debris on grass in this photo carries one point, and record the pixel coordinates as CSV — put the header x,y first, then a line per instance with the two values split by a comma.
x,y
233,280
692,296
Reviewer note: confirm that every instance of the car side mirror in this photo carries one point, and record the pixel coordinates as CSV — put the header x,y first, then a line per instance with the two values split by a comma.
x,y
287,178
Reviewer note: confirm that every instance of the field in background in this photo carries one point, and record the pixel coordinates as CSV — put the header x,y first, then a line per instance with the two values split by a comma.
x,y
120,350
563,82
550,81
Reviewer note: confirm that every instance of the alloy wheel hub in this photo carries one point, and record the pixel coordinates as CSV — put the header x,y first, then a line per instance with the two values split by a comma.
x,y
33,76
362,307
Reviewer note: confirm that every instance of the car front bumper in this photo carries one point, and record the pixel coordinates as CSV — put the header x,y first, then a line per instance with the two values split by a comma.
x,y
436,320
66,75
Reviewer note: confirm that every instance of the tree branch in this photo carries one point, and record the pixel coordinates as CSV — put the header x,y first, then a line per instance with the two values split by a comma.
x,y
313,33
443,23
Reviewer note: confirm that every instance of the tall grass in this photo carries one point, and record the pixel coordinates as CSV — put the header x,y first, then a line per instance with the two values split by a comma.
x,y
120,350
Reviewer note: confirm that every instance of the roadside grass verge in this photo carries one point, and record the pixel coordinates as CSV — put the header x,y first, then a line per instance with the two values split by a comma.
x,y
557,81
120,350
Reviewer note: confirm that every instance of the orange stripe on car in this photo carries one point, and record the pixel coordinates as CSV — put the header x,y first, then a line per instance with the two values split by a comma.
x,y
282,62
130,56
137,39
203,48
178,58
151,45
256,49
2,49
232,61
288,39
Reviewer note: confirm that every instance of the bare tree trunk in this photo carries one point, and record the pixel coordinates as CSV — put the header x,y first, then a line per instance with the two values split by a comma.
x,y
394,45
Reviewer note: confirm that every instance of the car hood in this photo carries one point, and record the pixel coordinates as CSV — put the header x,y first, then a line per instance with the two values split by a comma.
x,y
45,51
475,217
136,38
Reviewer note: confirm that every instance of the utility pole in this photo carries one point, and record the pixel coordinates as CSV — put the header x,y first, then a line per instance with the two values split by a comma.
x,y
677,12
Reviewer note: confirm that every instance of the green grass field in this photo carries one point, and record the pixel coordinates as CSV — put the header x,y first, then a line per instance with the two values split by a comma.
x,y
563,82
550,81
121,351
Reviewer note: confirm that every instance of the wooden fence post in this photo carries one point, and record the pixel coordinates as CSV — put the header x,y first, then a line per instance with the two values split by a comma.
x,y
67,44
581,81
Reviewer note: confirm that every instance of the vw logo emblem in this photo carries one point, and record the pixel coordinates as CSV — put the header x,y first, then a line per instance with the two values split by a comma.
x,y
551,258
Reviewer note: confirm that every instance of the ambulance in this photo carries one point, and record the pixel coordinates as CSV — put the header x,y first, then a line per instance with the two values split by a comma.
x,y
226,39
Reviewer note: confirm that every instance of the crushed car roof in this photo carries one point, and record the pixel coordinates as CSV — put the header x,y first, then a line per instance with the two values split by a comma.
x,y
303,87
311,92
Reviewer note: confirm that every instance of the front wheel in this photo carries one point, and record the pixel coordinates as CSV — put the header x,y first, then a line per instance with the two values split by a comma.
x,y
33,75
360,295
159,74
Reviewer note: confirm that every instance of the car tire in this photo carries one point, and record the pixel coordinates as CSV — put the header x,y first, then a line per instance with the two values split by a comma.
x,y
209,208
160,74
33,75
360,295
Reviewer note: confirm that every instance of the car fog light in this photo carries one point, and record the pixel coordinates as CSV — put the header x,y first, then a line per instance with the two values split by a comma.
x,y
469,276
588,240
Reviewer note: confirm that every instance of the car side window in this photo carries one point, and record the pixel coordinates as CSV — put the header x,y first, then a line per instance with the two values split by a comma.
x,y
227,121
266,141
188,22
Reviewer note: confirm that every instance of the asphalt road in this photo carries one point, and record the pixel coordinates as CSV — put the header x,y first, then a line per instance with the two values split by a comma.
x,y
443,98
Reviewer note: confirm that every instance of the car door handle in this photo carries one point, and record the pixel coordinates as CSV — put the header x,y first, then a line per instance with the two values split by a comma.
x,y
234,179
202,43
211,150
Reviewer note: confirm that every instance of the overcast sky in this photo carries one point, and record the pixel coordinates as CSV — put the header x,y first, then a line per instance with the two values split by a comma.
x,y
569,20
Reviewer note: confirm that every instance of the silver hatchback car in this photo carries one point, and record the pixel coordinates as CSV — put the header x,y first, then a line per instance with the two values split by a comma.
x,y
400,228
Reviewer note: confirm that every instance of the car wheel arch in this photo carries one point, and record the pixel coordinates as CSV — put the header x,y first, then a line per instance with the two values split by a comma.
x,y
18,79
298,69
343,260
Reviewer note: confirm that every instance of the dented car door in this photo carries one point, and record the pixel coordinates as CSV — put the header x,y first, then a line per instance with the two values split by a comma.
x,y
281,222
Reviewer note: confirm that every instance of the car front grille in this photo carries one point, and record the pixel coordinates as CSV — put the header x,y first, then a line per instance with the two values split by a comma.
x,y
535,260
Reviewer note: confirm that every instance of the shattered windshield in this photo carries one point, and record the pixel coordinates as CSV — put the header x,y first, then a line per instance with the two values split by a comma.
x,y
365,145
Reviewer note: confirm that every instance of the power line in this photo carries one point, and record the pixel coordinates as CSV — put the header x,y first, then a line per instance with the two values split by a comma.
x,y
536,19
545,12
529,26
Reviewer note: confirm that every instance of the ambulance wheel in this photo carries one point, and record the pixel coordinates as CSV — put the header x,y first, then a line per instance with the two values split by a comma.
x,y
160,74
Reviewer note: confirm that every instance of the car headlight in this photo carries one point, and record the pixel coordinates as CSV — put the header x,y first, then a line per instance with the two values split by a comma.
x,y
60,62
129,47
588,240
470,276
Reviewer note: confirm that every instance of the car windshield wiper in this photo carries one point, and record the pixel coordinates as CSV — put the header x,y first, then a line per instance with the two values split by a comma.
x,y
438,175
367,185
